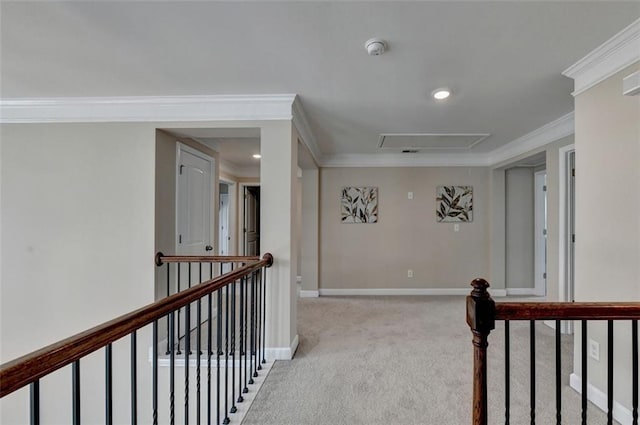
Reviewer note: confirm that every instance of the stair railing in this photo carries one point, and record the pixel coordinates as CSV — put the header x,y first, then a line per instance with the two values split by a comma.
x,y
482,314
216,304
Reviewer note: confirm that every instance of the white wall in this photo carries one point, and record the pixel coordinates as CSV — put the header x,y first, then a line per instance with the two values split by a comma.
x,y
607,220
407,235
519,221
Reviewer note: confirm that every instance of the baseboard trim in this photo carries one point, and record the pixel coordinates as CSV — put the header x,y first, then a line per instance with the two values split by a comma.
x,y
282,353
599,398
402,291
523,292
309,294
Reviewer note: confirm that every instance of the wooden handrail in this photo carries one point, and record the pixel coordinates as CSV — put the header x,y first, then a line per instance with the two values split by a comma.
x,y
22,371
567,311
162,259
483,311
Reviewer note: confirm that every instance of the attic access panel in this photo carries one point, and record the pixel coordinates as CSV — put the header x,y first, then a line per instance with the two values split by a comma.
x,y
430,141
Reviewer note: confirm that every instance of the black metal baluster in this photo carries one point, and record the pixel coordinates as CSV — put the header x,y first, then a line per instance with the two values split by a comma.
x,y
532,339
609,372
134,379
218,353
252,365
226,357
75,378
187,351
209,353
246,334
242,340
34,403
108,384
558,374
264,313
168,294
583,344
234,409
154,360
259,317
634,360
178,352
507,368
198,351
172,368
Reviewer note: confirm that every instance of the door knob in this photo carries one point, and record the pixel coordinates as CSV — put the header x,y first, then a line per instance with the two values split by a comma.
x,y
208,248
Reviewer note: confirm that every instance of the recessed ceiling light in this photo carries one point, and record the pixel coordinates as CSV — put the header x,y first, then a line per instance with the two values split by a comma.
x,y
441,93
257,156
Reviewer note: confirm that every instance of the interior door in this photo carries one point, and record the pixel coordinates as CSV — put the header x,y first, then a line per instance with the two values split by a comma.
x,y
194,203
194,218
252,220
540,234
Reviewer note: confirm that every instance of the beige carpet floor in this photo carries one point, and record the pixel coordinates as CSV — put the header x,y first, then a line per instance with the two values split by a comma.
x,y
405,360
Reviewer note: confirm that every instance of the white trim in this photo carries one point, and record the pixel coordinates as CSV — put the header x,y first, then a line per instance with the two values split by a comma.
x,y
301,124
540,237
562,221
620,51
147,109
256,107
523,292
282,353
405,160
548,133
599,398
631,84
403,291
309,294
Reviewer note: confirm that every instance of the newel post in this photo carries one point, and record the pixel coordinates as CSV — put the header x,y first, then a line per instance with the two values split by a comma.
x,y
481,311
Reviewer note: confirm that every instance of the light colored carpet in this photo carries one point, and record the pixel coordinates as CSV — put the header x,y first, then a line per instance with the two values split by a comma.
x,y
405,360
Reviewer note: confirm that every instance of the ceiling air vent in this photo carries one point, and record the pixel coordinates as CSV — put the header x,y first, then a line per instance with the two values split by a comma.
x,y
415,142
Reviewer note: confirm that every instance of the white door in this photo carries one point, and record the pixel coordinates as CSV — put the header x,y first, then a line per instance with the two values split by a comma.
x,y
223,240
194,218
194,215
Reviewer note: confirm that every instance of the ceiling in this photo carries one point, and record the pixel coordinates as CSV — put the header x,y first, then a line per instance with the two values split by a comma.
x,y
502,60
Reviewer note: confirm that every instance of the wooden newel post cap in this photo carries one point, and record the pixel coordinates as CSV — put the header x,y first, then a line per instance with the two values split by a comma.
x,y
481,309
269,258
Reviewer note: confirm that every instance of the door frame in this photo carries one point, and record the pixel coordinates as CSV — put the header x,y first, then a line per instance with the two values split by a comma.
x,y
233,187
565,292
240,226
540,233
180,147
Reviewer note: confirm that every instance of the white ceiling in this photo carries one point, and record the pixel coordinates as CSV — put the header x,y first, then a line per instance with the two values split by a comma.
x,y
503,60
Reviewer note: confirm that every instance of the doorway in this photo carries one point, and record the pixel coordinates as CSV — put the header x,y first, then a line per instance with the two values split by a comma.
x,y
251,230
540,233
567,237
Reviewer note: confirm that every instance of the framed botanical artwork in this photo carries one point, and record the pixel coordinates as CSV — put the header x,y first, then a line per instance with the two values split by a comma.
x,y
359,205
454,204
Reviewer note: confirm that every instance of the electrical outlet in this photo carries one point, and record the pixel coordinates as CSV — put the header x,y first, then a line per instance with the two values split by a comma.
x,y
594,350
456,227
409,273
409,195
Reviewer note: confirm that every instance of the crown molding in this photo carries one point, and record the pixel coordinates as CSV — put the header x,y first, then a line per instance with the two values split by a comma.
x,y
147,109
405,160
304,129
548,133
615,54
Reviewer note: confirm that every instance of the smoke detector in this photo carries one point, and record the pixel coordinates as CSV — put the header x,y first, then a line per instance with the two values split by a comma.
x,y
375,46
